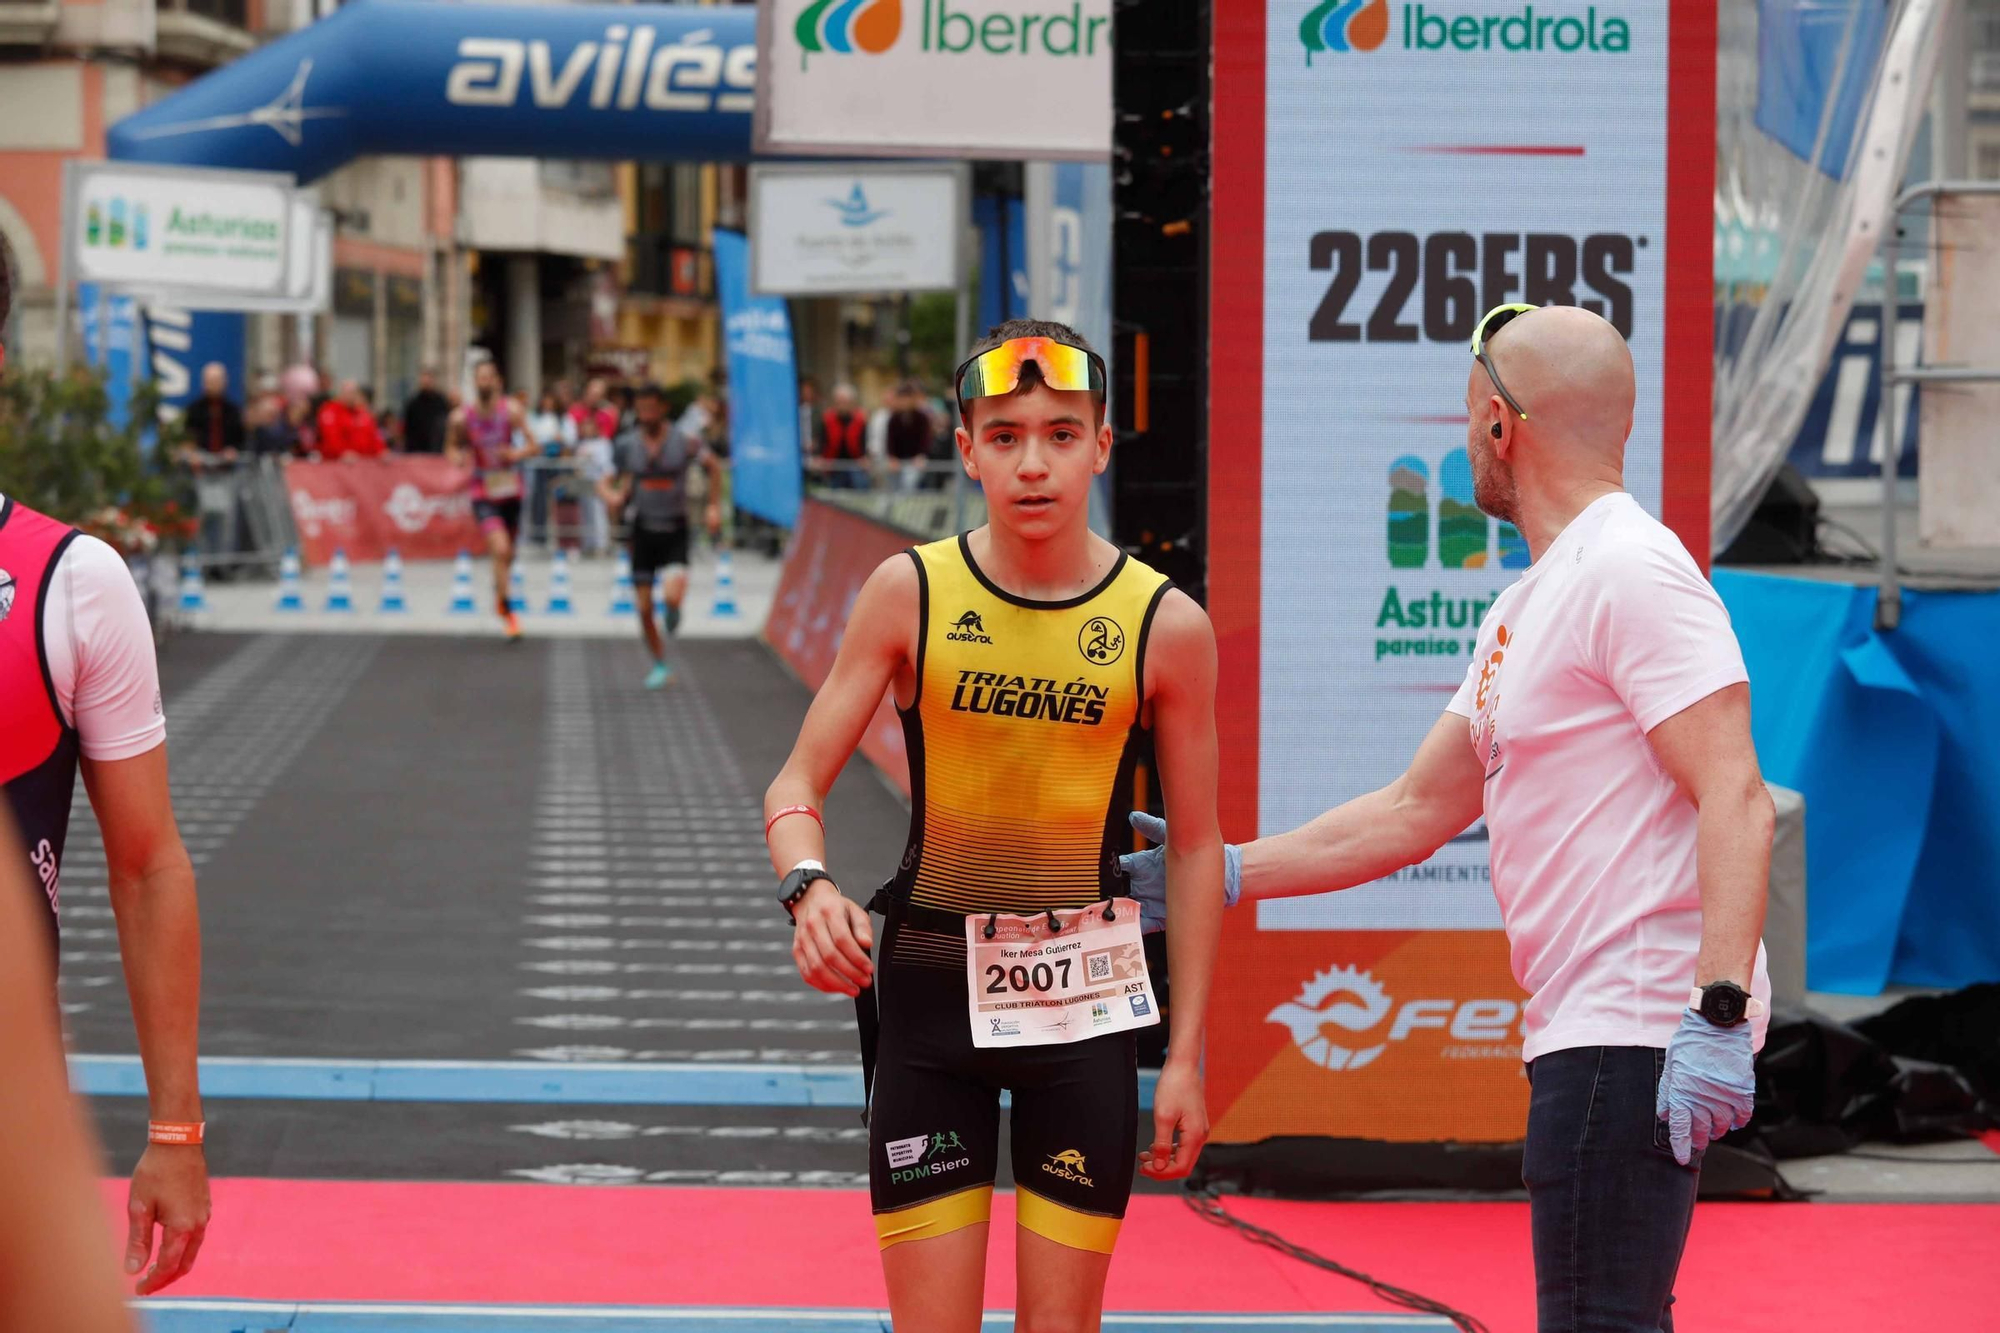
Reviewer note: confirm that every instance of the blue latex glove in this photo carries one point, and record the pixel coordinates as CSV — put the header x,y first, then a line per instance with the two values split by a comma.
x,y
1147,871
1709,1084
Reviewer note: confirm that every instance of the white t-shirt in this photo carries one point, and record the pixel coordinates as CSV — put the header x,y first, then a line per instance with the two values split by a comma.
x,y
1613,631
100,648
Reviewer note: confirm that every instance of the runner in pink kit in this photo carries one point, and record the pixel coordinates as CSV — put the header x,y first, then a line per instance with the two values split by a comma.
x,y
489,437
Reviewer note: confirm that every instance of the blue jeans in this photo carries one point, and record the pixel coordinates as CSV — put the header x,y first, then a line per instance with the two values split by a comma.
x,y
1610,1205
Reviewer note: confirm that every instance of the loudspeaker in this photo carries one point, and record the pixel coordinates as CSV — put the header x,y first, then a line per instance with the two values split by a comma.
x,y
1784,529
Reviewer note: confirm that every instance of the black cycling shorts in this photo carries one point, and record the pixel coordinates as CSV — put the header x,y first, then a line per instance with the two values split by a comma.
x,y
505,514
653,551
934,1117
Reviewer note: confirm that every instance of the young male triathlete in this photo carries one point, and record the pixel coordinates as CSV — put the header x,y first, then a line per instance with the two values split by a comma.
x,y
490,437
1026,658
654,462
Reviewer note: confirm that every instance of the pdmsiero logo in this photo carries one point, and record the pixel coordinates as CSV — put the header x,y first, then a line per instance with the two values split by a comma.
x,y
1363,25
844,27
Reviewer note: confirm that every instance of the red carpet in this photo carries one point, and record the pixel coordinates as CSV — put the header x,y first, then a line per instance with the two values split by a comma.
x,y
1751,1268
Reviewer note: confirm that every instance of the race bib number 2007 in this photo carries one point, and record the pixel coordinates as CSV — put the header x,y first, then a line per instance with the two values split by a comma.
x,y
1029,986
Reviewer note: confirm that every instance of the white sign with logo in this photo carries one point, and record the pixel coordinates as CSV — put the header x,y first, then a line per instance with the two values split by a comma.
x,y
934,78
180,230
1392,220
817,229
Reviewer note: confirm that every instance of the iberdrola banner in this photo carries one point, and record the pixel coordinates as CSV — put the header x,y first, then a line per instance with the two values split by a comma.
x,y
1392,171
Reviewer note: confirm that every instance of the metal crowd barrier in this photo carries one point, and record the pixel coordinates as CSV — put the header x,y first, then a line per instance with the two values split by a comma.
x,y
243,512
928,499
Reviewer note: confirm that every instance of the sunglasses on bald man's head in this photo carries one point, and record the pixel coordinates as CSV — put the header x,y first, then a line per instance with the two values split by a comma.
x,y
1497,319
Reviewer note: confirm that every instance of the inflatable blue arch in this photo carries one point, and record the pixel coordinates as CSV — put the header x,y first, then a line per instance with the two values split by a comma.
x,y
423,77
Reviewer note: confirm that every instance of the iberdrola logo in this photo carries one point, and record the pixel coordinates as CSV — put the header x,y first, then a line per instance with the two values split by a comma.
x,y
847,26
1343,25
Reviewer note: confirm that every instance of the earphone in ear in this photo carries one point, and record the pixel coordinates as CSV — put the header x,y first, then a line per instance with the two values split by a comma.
x,y
1496,430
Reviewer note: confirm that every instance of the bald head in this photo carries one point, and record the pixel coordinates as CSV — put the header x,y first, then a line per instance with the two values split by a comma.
x,y
1572,373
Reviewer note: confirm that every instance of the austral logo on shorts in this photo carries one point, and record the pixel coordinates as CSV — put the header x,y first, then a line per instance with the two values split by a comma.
x,y
1069,1165
906,1156
1030,698
968,628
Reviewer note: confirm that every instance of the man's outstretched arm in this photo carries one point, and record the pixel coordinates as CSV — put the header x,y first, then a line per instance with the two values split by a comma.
x,y
1437,797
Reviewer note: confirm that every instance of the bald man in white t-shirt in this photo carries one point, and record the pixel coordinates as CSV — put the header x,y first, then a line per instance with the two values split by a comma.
x,y
1603,731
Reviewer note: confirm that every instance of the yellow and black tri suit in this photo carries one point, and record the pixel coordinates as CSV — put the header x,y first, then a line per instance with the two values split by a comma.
x,y
1021,742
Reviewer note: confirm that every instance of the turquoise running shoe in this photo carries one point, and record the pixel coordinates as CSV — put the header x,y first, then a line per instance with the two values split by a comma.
x,y
659,676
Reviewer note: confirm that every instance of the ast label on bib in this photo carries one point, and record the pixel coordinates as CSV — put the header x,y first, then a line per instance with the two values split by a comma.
x,y
502,483
1032,986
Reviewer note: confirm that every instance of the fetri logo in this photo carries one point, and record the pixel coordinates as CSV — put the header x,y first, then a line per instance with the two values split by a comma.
x,y
1364,25
1353,1001
846,26
1344,25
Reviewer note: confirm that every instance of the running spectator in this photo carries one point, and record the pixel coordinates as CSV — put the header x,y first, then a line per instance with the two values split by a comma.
x,y
214,422
595,403
347,428
425,415
843,432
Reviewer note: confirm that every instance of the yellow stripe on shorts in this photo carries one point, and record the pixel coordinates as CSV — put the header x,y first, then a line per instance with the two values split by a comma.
x,y
1066,1226
935,1217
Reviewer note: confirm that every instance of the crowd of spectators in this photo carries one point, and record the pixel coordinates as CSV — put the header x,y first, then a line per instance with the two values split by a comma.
x,y
895,444
303,414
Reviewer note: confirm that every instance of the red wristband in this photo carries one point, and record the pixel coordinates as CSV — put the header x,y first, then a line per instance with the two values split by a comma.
x,y
176,1133
794,810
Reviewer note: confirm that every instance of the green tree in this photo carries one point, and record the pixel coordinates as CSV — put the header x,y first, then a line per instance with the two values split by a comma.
x,y
61,454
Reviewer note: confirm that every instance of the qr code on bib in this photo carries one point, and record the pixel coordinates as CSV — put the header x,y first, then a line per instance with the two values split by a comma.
x,y
1097,966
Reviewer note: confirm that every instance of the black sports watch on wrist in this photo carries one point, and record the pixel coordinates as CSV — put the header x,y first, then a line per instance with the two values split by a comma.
x,y
794,885
1724,1003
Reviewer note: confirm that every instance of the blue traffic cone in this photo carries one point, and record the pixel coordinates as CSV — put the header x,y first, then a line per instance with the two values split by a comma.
x,y
725,587
461,586
392,583
339,588
621,587
194,596
290,598
559,587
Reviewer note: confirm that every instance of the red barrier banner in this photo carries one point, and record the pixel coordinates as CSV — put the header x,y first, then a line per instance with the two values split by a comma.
x,y
833,553
418,505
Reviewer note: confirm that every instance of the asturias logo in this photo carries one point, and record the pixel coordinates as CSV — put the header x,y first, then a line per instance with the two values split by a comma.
x,y
854,210
1344,25
846,26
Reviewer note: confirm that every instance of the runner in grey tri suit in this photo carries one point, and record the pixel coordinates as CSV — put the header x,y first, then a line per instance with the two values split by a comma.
x,y
654,462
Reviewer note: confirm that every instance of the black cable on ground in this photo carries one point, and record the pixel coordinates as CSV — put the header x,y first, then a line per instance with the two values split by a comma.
x,y
1208,1203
